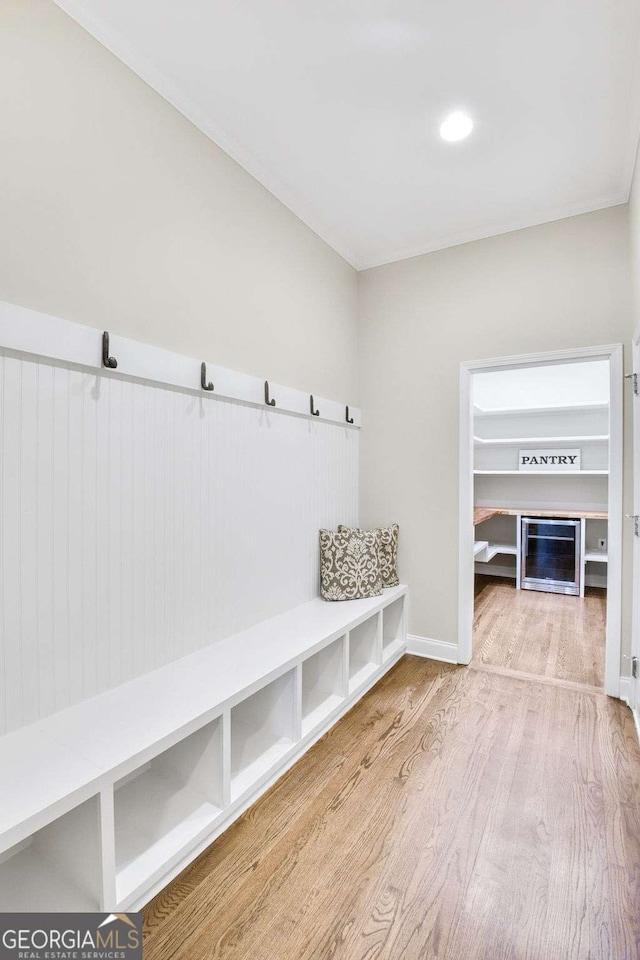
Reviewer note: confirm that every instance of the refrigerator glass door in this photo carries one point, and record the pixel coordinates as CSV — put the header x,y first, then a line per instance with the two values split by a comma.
x,y
551,555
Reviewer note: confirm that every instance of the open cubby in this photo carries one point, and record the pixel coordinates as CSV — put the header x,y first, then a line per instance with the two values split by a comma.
x,y
59,868
323,684
164,786
363,651
162,808
262,731
392,627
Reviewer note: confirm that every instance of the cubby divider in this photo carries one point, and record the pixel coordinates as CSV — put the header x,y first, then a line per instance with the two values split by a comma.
x,y
263,729
324,684
393,630
166,805
365,651
58,868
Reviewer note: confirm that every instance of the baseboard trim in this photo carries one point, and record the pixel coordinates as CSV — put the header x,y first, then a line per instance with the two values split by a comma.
x,y
432,649
500,570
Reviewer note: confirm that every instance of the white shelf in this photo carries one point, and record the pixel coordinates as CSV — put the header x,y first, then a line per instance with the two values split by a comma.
x,y
155,821
365,652
323,684
316,716
28,881
541,473
485,551
534,411
479,547
393,649
58,868
524,441
392,624
360,676
596,556
182,750
165,805
262,731
254,770
509,549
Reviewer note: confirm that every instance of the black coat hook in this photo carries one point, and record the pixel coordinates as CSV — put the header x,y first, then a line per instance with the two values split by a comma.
x,y
314,413
203,378
107,361
269,403
348,418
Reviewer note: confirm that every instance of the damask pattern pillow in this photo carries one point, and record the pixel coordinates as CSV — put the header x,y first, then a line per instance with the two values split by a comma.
x,y
387,552
349,565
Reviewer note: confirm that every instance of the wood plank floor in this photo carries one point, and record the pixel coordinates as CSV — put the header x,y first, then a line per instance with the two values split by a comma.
x,y
546,634
453,814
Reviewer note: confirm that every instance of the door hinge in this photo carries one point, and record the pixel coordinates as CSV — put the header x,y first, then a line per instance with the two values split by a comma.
x,y
634,379
636,523
634,667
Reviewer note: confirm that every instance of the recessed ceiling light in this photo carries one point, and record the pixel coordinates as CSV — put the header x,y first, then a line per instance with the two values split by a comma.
x,y
457,126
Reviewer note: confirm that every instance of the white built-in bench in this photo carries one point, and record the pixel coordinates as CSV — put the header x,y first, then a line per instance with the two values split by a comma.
x,y
102,804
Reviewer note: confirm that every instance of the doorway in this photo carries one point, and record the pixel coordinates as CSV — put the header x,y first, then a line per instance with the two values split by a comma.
x,y
540,515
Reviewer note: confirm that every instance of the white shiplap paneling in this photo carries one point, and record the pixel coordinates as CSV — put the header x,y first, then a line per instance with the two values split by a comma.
x,y
140,522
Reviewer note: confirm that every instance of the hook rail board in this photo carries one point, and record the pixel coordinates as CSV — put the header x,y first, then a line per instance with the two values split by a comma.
x,y
28,331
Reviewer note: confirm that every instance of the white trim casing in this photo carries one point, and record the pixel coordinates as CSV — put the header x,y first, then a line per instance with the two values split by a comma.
x,y
466,533
613,645
634,699
626,690
614,354
432,649
636,721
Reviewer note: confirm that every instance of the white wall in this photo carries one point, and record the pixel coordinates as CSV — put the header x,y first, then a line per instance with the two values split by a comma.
x,y
140,523
559,285
118,213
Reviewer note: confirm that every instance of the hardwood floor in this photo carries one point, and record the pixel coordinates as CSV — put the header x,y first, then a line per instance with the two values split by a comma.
x,y
453,814
545,634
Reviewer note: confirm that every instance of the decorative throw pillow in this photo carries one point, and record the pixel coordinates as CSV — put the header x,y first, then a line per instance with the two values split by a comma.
x,y
387,552
349,565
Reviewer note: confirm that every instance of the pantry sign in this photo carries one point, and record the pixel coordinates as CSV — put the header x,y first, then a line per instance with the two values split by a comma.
x,y
548,461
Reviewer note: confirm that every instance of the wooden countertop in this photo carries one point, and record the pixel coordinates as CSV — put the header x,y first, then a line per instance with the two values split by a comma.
x,y
480,514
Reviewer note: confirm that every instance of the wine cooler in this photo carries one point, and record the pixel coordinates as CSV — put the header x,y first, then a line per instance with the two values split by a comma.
x,y
550,555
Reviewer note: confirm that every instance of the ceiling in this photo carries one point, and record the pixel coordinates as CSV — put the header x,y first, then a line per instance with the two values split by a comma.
x,y
335,106
531,388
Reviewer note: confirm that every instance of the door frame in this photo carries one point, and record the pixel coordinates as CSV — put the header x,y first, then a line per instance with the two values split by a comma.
x,y
634,685
613,353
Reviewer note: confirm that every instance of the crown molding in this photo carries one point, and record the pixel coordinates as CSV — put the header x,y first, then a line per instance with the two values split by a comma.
x,y
562,212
